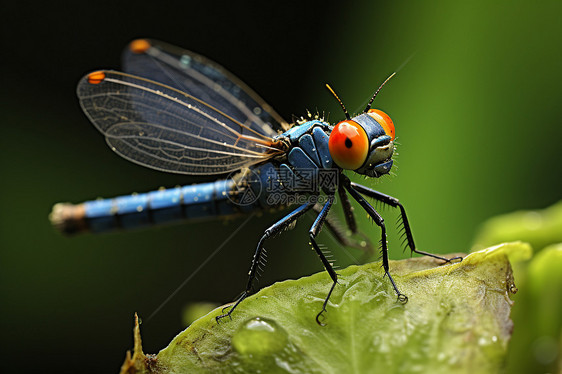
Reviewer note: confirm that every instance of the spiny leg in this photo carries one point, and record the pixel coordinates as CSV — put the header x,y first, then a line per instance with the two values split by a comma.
x,y
393,202
347,209
271,231
339,232
367,248
313,232
380,222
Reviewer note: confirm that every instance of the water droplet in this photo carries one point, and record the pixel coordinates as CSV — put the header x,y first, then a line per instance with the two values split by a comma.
x,y
259,336
491,346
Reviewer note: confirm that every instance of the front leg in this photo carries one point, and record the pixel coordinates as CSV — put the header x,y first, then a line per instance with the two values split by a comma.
x,y
352,224
380,222
393,202
347,209
341,235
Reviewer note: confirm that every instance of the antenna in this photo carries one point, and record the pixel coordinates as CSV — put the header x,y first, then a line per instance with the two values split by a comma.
x,y
375,95
339,101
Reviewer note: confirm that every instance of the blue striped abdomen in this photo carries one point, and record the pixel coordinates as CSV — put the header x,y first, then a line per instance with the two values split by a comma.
x,y
198,201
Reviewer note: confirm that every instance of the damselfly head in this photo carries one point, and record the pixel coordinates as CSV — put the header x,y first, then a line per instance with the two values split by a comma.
x,y
364,143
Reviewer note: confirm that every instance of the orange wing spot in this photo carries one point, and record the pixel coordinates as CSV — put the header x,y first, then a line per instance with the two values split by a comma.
x,y
139,46
96,77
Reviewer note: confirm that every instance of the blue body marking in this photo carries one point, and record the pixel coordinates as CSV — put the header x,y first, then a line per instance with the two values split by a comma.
x,y
309,152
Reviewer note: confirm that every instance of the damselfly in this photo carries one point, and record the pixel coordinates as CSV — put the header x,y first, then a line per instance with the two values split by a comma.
x,y
176,111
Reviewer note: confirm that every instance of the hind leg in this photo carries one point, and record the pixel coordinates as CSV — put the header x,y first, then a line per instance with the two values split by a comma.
x,y
257,259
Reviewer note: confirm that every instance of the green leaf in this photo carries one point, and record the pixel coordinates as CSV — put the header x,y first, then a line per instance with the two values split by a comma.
x,y
537,343
194,311
539,228
456,320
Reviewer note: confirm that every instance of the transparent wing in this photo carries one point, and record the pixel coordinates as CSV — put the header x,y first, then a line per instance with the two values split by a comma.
x,y
163,128
203,79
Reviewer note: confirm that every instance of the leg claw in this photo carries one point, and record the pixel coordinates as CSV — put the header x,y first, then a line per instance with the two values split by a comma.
x,y
318,318
456,259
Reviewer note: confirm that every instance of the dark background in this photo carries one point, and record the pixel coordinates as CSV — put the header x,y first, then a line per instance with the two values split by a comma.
x,y
477,114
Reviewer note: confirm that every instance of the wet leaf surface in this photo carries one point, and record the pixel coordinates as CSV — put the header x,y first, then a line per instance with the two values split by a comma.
x,y
456,320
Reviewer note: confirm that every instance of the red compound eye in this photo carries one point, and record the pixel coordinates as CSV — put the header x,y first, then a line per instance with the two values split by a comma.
x,y
384,120
349,145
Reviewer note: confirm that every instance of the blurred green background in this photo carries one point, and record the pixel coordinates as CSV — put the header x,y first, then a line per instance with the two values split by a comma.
x,y
476,108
